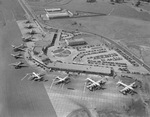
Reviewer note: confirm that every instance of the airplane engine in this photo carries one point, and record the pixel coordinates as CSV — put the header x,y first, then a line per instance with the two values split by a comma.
x,y
67,81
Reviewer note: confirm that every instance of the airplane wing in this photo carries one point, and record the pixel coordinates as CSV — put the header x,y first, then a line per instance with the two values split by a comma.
x,y
124,89
99,81
132,84
20,63
61,79
42,74
121,83
127,88
37,75
16,64
57,77
58,81
93,84
92,81
21,49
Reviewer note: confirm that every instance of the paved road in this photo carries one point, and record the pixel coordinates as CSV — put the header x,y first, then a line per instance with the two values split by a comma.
x,y
29,13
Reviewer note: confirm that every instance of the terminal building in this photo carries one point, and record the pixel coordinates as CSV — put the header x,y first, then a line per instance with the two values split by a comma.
x,y
82,69
58,13
76,68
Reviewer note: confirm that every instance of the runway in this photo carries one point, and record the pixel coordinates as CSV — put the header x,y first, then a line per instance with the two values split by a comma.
x,y
18,98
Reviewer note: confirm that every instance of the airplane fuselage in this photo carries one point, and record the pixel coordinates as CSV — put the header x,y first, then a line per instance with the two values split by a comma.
x,y
18,57
18,67
16,49
26,39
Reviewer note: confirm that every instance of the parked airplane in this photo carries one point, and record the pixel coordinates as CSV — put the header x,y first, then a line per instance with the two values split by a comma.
x,y
95,85
29,27
117,1
17,56
127,88
33,32
60,80
28,39
35,77
19,48
18,65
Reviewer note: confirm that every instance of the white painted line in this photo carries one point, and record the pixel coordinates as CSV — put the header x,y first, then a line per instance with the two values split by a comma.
x,y
13,16
24,77
84,87
51,84
111,11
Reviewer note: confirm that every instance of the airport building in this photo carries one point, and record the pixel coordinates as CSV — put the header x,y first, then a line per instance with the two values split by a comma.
x,y
53,10
57,13
76,42
79,68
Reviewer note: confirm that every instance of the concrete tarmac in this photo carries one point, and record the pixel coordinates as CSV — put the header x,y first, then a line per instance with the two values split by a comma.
x,y
18,98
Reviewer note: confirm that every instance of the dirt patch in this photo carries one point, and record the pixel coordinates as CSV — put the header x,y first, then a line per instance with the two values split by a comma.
x,y
136,109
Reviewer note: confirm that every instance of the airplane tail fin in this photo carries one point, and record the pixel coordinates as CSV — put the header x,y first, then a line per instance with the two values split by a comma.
x,y
12,54
13,46
119,82
57,77
10,64
87,79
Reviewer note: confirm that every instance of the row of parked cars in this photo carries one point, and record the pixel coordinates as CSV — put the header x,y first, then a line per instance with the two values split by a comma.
x,y
133,62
